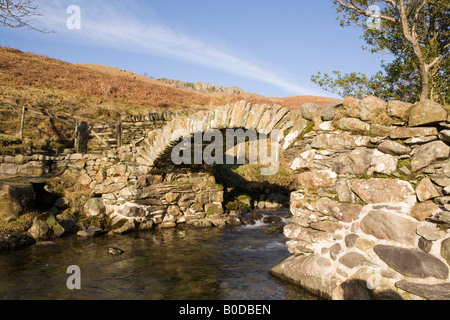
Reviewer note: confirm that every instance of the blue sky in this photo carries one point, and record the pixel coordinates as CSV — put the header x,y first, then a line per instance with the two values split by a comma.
x,y
264,46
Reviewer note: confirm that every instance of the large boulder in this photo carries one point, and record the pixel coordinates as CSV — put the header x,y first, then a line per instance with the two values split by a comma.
x,y
33,169
388,226
445,170
352,107
361,160
310,110
399,109
353,259
304,161
428,153
275,228
121,224
393,148
346,212
312,272
412,262
317,179
8,168
16,199
338,140
444,135
384,190
422,211
426,112
330,111
382,163
426,190
94,207
352,124
373,109
439,291
46,227
415,134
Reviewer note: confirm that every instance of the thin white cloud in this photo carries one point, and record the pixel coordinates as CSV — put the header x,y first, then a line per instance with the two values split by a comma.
x,y
115,26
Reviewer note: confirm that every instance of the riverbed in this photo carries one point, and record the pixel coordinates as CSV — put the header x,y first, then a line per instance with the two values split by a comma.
x,y
185,263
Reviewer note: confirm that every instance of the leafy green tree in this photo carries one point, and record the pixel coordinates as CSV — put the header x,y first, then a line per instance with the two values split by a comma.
x,y
416,33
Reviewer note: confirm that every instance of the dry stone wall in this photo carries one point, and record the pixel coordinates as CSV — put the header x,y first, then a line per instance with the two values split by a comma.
x,y
137,127
135,197
33,165
371,219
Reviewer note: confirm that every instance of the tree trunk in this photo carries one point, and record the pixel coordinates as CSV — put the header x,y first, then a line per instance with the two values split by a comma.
x,y
412,38
425,93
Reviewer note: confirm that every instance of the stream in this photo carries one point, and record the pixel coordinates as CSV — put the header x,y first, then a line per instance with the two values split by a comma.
x,y
185,263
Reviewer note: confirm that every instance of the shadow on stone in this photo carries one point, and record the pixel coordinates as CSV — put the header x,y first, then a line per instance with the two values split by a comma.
x,y
357,289
15,241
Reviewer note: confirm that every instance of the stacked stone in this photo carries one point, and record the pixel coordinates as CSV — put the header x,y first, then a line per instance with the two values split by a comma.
x,y
372,217
135,128
166,202
155,117
136,199
34,165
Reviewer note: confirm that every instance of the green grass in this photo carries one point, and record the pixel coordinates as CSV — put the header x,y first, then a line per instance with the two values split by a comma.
x,y
309,128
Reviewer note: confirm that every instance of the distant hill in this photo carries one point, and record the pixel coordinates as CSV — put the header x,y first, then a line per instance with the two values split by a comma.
x,y
88,91
33,80
290,102
295,102
209,88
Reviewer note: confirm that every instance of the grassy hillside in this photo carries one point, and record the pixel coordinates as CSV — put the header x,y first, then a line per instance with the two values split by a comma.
x,y
93,93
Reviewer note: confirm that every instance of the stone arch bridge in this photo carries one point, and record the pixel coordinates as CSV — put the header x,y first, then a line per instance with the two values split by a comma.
x,y
147,190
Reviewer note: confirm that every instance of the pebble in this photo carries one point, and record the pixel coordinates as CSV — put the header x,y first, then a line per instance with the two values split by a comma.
x,y
115,251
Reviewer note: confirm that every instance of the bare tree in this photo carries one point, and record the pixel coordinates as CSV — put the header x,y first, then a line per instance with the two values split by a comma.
x,y
418,22
19,13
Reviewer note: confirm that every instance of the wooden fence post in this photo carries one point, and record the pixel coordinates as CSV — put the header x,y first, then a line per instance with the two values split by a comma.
x,y
119,134
75,143
22,123
82,138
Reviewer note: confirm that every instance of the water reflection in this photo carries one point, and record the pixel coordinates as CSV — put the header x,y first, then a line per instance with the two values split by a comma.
x,y
174,264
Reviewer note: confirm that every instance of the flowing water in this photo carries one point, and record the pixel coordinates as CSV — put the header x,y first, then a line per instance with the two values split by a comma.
x,y
172,264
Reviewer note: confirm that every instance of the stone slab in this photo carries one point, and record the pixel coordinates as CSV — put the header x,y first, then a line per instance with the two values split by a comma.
x,y
412,262
427,291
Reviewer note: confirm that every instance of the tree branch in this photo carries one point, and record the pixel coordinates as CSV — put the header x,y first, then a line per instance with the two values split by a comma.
x,y
363,12
437,60
19,13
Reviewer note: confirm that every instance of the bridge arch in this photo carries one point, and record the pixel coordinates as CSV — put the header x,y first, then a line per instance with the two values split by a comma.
x,y
263,119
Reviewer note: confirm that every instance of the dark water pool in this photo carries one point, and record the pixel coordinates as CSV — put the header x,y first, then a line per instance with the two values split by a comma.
x,y
173,264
